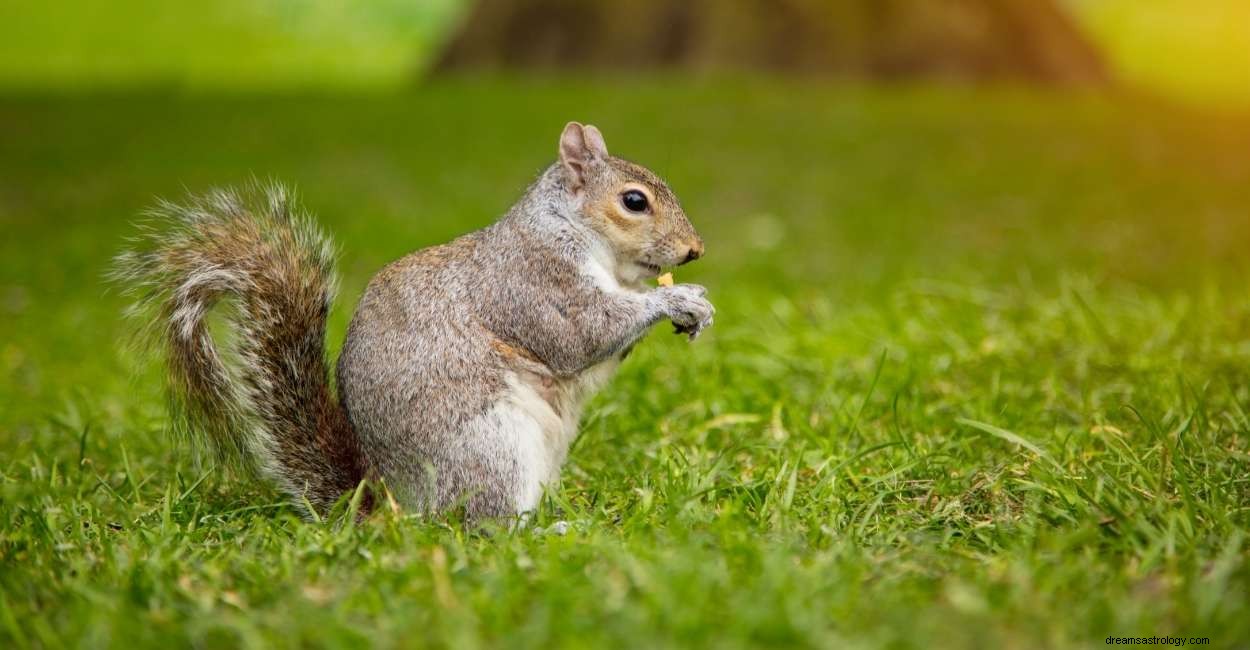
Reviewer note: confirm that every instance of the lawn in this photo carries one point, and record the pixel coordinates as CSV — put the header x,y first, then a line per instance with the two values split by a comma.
x,y
979,377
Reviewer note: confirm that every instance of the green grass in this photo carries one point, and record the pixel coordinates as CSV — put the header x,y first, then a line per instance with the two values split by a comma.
x,y
979,378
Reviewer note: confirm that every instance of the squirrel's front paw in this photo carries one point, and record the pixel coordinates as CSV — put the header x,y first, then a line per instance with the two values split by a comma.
x,y
688,308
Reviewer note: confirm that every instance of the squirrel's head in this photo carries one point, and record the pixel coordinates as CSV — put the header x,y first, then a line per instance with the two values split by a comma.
x,y
628,206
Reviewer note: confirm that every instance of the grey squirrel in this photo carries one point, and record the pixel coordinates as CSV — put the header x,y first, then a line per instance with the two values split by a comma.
x,y
466,365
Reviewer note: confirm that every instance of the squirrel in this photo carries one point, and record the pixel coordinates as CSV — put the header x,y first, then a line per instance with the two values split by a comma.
x,y
465,366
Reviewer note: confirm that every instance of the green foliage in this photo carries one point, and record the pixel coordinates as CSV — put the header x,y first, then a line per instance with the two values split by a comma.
x,y
1194,51
218,43
979,378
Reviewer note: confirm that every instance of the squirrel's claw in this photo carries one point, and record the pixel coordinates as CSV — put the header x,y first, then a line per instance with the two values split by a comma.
x,y
694,331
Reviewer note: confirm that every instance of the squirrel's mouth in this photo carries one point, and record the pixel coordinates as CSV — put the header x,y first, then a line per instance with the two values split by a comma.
x,y
653,269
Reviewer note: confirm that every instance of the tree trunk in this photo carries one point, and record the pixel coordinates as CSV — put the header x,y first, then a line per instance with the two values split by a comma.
x,y
973,39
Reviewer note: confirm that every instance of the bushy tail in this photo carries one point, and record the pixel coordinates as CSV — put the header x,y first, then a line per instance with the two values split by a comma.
x,y
272,409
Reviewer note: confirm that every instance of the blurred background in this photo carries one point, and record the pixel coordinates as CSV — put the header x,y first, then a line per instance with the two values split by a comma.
x,y
1192,51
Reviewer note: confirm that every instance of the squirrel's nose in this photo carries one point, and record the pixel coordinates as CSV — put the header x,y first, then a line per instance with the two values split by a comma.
x,y
694,252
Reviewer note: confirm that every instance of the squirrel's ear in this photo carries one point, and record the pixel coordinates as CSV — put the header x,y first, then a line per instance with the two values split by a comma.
x,y
594,140
580,146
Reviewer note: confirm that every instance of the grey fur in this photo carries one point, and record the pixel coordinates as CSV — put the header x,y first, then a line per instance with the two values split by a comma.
x,y
465,365
274,412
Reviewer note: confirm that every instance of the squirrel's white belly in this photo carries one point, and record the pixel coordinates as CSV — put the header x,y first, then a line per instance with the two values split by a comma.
x,y
541,418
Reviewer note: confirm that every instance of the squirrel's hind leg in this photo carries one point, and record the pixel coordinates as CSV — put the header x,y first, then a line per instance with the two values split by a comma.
x,y
505,449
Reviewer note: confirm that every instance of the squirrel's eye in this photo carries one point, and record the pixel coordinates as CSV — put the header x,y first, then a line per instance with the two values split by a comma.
x,y
634,201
